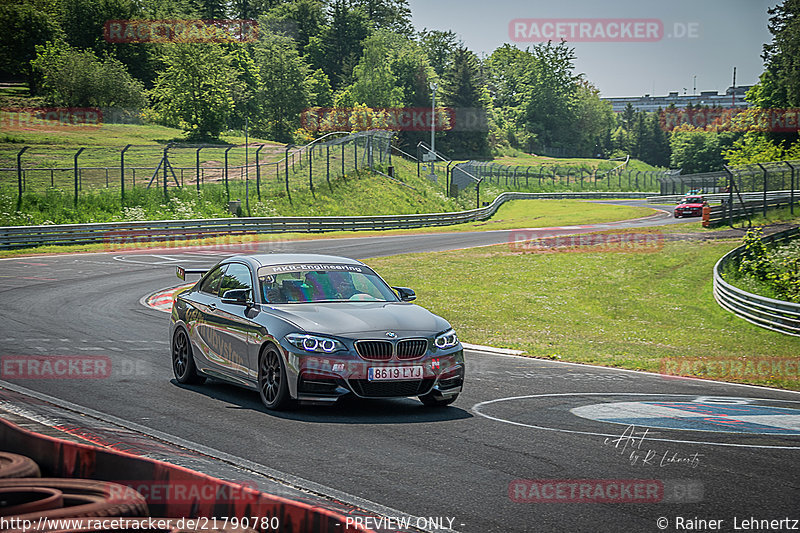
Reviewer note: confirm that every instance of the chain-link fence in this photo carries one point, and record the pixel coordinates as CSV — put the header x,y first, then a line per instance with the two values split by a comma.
x,y
753,189
608,176
270,169
707,182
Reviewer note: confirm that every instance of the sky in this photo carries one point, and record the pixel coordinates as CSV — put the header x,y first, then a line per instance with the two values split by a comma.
x,y
685,39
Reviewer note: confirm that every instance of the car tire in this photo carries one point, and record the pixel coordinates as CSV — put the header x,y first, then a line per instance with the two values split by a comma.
x,y
182,360
273,386
14,465
429,400
677,215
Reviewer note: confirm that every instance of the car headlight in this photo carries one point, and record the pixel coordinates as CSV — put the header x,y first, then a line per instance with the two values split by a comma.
x,y
315,343
448,339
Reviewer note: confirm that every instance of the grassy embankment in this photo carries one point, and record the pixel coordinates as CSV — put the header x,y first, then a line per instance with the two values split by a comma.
x,y
627,309
361,193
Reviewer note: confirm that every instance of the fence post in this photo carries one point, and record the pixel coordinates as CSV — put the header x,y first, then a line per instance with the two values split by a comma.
x,y
227,186
197,169
764,203
164,166
286,165
328,165
122,173
258,173
19,177
791,191
75,168
730,195
310,166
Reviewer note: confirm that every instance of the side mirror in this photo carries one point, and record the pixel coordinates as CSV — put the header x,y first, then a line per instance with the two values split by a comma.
x,y
406,294
237,296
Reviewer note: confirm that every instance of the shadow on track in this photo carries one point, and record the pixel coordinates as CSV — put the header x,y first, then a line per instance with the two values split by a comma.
x,y
348,410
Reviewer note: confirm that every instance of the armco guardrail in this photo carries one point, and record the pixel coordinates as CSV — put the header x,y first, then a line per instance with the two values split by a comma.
x,y
719,197
769,313
121,232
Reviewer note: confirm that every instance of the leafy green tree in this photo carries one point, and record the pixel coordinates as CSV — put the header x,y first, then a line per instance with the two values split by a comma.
x,y
698,151
284,91
440,46
79,78
24,26
374,81
594,119
193,91
464,90
319,89
301,20
339,45
392,15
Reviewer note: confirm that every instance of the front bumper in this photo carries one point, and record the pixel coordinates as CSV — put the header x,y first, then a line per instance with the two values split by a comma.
x,y
326,378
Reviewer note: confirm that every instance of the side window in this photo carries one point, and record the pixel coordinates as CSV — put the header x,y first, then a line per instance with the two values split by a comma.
x,y
210,284
237,276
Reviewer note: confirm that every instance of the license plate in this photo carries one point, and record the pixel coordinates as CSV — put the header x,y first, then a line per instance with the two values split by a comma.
x,y
389,373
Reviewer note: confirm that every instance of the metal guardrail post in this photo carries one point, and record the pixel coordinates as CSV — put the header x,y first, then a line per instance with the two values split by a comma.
x,y
122,174
258,172
286,165
75,169
19,176
730,195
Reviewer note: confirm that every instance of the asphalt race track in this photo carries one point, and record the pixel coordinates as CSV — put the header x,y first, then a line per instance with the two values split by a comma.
x,y
682,450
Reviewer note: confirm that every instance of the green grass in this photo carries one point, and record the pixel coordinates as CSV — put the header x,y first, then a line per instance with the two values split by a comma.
x,y
628,310
585,162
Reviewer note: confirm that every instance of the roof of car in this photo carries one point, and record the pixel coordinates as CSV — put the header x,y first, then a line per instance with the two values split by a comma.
x,y
260,260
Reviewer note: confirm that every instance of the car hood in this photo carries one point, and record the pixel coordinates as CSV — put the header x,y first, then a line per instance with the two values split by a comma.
x,y
362,319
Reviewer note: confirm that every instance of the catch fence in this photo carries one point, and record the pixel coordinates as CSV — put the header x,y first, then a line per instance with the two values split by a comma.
x,y
252,169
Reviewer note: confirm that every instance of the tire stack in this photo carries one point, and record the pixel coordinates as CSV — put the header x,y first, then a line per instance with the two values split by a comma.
x,y
25,496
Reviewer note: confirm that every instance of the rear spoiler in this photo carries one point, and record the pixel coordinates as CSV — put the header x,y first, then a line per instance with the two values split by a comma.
x,y
181,272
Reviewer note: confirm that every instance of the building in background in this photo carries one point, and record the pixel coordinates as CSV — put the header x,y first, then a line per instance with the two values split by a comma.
x,y
734,97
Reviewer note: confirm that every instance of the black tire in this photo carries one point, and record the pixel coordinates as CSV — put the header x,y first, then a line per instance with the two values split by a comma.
x,y
273,386
182,360
429,400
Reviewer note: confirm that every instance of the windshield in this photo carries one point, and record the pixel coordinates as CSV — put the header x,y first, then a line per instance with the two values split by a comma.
x,y
282,284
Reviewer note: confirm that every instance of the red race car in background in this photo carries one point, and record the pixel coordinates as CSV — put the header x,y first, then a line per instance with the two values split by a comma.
x,y
691,206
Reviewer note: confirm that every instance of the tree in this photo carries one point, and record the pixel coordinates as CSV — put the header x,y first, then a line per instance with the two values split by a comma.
x,y
392,15
440,47
193,90
24,26
464,90
72,77
698,151
338,47
781,78
284,91
595,119
301,20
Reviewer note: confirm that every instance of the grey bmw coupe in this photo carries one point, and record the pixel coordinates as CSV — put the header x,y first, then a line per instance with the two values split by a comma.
x,y
306,327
